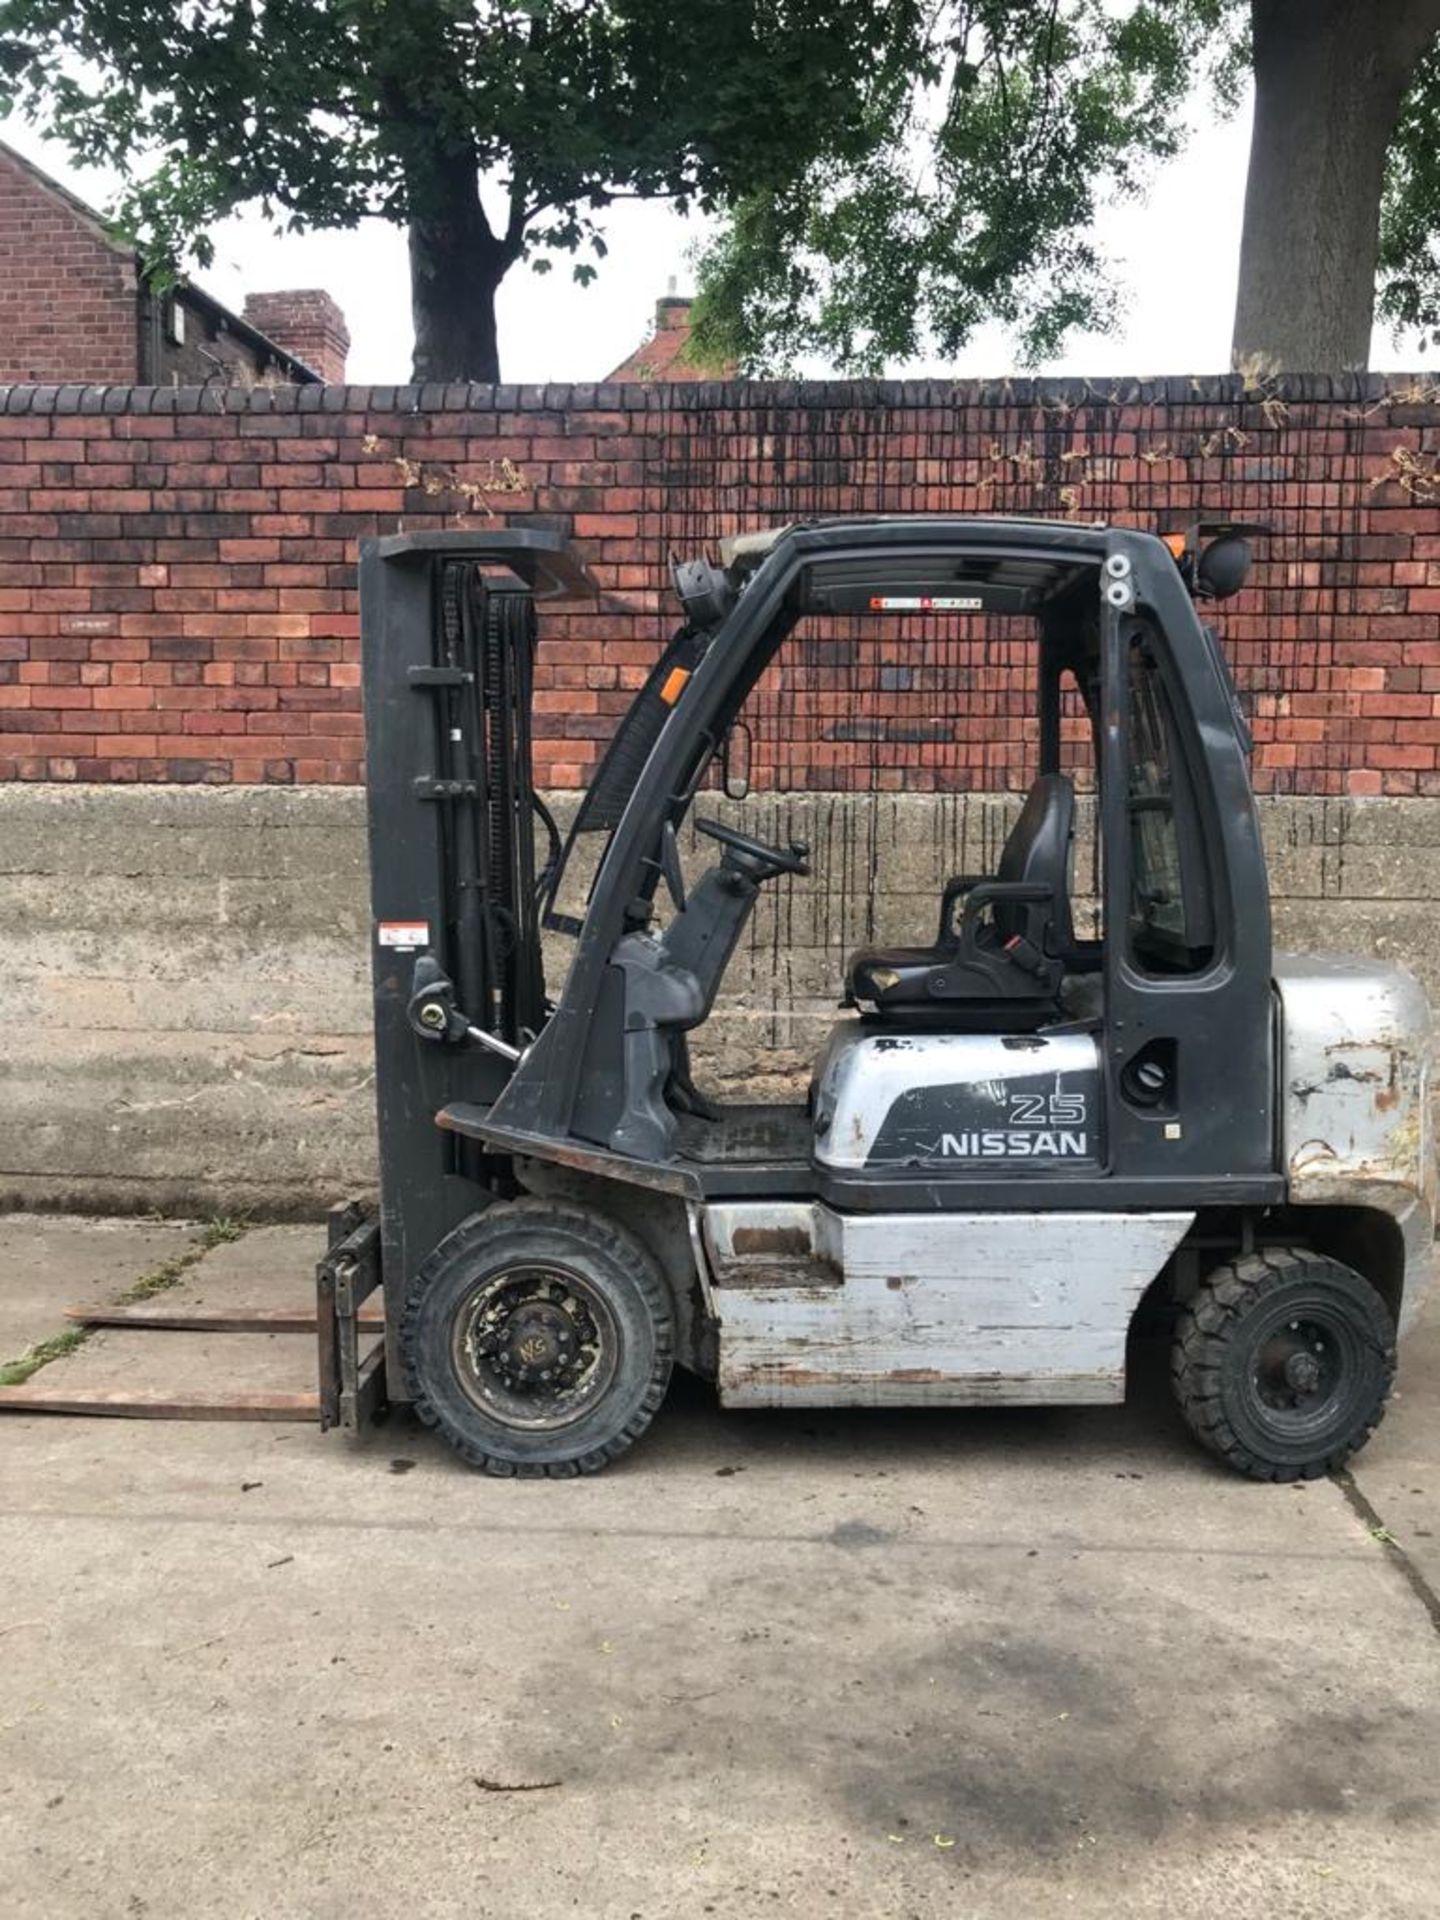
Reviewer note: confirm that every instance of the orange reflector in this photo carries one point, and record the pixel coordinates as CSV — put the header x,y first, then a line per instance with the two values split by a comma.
x,y
674,685
1175,542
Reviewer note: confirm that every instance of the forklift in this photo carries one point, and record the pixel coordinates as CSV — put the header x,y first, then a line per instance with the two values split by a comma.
x,y
1018,1137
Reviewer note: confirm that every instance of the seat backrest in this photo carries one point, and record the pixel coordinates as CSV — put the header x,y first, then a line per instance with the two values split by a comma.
x,y
1038,852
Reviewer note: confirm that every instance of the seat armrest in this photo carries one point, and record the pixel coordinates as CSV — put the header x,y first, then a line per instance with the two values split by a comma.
x,y
1029,950
955,889
1020,892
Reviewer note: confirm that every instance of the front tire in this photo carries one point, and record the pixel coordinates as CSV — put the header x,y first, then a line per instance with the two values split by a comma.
x,y
538,1339
1283,1362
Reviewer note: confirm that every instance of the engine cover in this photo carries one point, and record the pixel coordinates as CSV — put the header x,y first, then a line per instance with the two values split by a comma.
x,y
1007,1101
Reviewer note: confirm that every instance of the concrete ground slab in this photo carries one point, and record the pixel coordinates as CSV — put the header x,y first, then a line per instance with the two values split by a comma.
x,y
270,1266
891,1664
51,1263
1399,1472
265,1267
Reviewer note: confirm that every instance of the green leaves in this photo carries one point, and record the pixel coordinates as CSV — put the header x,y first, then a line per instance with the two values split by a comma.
x,y
327,110
1409,296
986,152
207,107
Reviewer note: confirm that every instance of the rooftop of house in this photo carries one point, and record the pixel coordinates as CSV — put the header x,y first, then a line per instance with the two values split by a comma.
x,y
663,355
299,371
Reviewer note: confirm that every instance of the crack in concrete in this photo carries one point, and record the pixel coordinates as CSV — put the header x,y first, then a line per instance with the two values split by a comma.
x,y
1395,1553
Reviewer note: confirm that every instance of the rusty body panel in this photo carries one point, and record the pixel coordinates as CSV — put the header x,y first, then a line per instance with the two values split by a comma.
x,y
822,1308
1355,1060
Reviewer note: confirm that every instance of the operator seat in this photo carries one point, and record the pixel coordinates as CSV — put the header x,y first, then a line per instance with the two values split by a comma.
x,y
1015,932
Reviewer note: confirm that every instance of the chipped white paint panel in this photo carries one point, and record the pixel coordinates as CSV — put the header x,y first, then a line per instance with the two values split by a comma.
x,y
946,1309
1355,1063
1356,1052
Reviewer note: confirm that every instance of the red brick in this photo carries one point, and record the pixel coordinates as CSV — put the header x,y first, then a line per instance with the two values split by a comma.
x,y
119,697
233,608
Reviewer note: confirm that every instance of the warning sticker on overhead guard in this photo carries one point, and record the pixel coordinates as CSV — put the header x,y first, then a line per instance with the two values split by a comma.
x,y
403,933
923,603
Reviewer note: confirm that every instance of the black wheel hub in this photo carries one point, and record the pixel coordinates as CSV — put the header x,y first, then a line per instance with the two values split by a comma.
x,y
1302,1372
539,1341
1298,1366
535,1346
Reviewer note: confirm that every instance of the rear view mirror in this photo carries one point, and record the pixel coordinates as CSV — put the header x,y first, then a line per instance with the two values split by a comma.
x,y
1214,556
1223,567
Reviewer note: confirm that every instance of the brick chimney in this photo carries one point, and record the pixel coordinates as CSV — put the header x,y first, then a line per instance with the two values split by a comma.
x,y
672,313
659,357
304,321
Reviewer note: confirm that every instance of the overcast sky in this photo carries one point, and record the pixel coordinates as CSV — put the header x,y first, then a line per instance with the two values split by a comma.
x,y
1176,255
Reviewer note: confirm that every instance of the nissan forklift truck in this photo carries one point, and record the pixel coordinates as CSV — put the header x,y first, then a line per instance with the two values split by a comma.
x,y
1016,1132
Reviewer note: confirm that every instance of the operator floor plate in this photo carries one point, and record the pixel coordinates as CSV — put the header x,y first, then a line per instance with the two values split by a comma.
x,y
743,1135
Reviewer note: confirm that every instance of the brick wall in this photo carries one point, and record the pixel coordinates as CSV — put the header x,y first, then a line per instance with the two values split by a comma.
x,y
47,242
177,567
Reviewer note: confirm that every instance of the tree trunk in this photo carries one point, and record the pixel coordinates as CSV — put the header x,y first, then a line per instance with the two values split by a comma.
x,y
1329,79
456,266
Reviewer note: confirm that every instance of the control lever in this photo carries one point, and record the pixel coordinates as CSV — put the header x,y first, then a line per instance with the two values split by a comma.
x,y
433,1014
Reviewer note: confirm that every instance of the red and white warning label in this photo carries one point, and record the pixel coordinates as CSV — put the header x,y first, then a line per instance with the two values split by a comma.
x,y
403,933
924,603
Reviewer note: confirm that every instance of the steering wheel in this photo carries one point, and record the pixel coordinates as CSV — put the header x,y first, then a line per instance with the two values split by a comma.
x,y
769,860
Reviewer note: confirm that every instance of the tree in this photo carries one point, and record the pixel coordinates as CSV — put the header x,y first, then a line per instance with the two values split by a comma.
x,y
977,198
496,130
1330,80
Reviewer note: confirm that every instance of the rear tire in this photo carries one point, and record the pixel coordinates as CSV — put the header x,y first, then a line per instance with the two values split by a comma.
x,y
538,1339
1282,1363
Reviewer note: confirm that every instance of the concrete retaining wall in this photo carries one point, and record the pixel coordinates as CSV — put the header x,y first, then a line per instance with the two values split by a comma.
x,y
184,1000
184,1004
